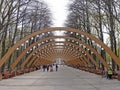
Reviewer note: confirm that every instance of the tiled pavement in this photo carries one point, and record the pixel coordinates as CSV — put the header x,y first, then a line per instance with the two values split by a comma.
x,y
65,79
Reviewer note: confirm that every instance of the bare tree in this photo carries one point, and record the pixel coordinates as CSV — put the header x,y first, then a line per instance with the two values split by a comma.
x,y
19,18
96,17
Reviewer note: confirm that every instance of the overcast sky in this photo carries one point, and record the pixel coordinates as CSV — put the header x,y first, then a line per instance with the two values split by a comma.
x,y
59,11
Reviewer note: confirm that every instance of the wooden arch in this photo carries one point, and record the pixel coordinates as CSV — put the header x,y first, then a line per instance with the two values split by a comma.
x,y
68,54
53,37
55,53
84,60
107,49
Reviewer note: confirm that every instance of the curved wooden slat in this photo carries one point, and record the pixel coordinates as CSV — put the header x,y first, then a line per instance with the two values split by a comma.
x,y
107,49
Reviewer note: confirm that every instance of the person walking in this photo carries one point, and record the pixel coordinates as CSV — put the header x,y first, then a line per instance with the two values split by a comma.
x,y
56,67
106,74
103,73
47,68
44,67
51,68
110,73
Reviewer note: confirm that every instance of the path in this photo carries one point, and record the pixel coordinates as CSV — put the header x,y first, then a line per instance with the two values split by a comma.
x,y
65,79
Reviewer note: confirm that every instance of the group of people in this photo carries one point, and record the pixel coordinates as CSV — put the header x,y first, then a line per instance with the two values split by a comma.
x,y
49,68
108,73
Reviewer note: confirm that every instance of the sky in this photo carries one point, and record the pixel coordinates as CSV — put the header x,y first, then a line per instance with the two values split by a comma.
x,y
59,11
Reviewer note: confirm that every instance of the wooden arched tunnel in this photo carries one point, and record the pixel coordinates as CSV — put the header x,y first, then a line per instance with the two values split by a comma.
x,y
77,49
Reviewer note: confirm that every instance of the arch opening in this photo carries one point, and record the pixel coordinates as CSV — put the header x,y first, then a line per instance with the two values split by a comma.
x,y
73,46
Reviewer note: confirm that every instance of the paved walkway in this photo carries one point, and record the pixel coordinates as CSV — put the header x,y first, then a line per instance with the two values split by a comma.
x,y
65,79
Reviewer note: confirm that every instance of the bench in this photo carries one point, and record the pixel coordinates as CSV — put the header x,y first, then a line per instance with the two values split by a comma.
x,y
7,74
26,70
19,72
13,73
115,75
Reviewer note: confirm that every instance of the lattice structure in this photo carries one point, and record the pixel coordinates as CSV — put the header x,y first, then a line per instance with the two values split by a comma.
x,y
77,49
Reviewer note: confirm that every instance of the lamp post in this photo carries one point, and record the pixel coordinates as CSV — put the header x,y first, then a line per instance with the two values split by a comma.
x,y
0,74
17,52
17,49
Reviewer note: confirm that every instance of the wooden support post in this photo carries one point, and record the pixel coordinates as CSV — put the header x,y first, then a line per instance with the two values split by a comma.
x,y
119,77
0,76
